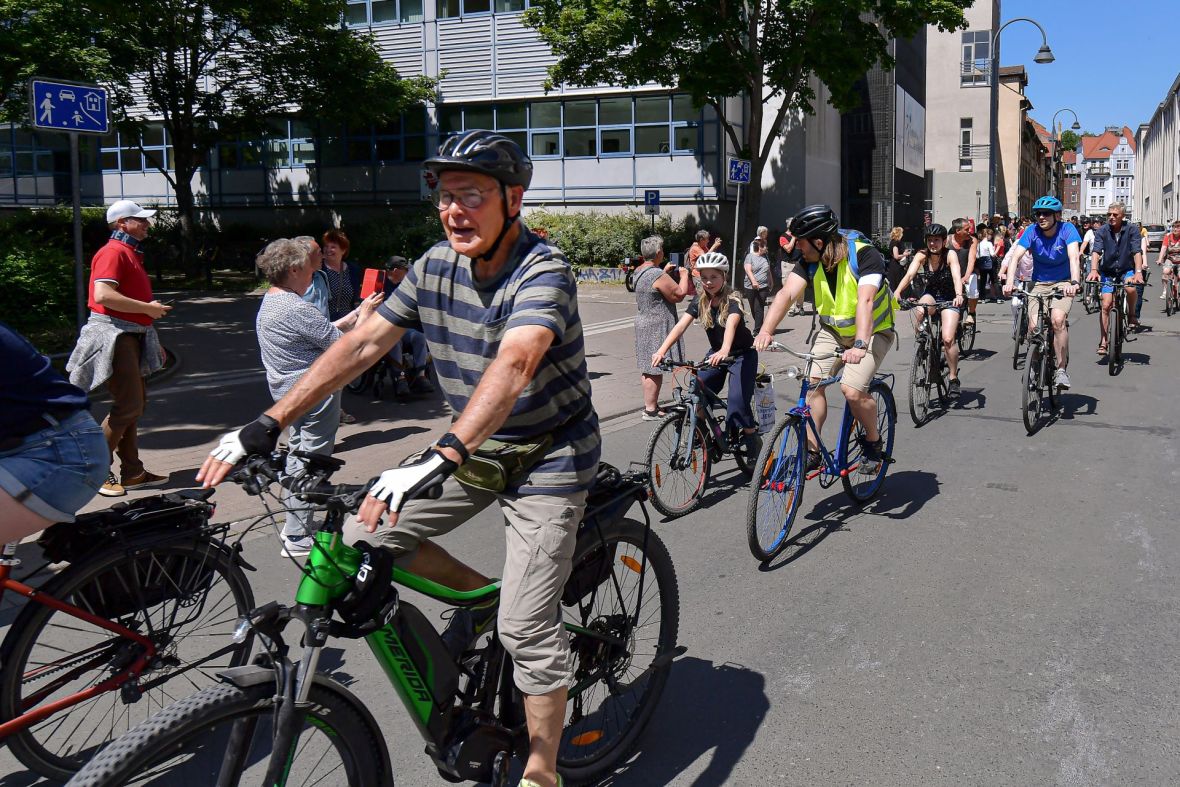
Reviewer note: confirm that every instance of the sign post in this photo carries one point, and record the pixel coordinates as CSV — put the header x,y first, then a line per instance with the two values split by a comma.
x,y
739,174
651,205
72,108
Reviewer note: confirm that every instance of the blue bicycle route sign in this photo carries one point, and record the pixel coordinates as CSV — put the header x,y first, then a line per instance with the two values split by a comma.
x,y
68,106
739,171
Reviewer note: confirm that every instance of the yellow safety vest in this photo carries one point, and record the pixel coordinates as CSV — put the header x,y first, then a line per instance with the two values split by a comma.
x,y
837,310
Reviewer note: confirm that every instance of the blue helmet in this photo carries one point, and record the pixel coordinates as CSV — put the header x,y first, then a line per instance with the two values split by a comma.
x,y
1048,203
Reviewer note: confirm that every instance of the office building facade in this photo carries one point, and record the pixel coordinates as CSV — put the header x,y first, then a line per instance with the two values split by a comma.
x,y
1157,163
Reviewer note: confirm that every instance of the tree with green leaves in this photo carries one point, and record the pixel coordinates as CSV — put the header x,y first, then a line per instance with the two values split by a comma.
x,y
762,51
1069,140
208,70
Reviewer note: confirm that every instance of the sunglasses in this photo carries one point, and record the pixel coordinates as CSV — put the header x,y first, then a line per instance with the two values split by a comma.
x,y
1114,214
1040,214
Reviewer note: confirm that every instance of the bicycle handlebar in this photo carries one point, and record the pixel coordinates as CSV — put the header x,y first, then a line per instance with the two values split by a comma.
x,y
779,347
668,364
913,303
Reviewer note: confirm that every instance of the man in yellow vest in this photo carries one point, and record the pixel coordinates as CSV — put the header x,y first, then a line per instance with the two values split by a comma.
x,y
855,312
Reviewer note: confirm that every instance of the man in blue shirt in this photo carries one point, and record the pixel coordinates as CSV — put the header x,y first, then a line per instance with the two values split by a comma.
x,y
1056,262
1116,257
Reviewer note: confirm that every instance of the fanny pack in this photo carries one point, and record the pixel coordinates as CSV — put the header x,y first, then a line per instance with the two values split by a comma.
x,y
496,464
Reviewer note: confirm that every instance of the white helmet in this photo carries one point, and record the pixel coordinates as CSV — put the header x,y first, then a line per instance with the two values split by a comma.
x,y
712,260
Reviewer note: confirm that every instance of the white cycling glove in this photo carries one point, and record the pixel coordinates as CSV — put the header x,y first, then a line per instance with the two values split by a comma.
x,y
257,438
394,487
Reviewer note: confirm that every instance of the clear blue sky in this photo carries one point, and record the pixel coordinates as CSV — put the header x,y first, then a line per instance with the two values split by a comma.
x,y
1115,60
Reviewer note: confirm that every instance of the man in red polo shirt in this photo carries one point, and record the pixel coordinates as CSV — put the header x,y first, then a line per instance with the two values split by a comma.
x,y
118,345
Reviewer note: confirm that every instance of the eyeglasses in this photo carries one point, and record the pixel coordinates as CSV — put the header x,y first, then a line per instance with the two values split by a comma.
x,y
1114,214
468,198
1040,214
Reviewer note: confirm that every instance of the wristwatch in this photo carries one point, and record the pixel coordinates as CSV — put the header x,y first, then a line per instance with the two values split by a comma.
x,y
860,344
1073,282
450,441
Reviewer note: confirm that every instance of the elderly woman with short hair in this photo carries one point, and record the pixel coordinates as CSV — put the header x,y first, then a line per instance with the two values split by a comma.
x,y
658,288
292,334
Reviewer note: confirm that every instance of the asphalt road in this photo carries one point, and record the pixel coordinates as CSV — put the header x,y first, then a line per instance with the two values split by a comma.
x,y
1004,613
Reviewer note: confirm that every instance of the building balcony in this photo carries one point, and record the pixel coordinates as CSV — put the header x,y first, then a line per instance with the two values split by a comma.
x,y
1098,171
973,151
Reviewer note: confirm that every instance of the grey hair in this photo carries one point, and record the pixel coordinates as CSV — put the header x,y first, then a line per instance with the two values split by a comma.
x,y
306,240
650,247
761,231
702,235
1120,207
280,258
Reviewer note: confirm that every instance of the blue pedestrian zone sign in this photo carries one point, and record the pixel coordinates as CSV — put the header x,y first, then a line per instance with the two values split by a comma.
x,y
651,201
65,106
739,171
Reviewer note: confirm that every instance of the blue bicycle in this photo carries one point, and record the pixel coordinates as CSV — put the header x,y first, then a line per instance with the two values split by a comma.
x,y
782,467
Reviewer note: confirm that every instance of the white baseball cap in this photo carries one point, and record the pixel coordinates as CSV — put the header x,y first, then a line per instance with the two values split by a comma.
x,y
126,209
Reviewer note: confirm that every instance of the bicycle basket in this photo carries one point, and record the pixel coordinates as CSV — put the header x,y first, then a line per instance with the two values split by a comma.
x,y
148,579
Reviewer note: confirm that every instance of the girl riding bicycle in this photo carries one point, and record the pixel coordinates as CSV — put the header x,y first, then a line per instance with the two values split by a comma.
x,y
728,335
943,283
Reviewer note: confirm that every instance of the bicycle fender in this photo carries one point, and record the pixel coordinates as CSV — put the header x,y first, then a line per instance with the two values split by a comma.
x,y
247,675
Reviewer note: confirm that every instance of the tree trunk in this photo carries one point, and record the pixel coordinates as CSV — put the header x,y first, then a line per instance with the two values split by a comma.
x,y
184,160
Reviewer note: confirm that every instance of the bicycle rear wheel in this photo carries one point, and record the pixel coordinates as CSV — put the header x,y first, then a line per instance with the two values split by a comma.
x,y
1032,396
193,593
920,383
966,337
777,489
678,467
616,688
187,742
861,487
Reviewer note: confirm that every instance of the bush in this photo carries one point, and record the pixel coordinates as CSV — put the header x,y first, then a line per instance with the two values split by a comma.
x,y
405,231
591,238
37,298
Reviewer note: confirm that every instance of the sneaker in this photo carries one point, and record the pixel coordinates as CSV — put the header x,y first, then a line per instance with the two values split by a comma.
x,y
653,415
954,388
347,418
871,456
794,311
111,487
466,624
144,479
1061,380
1163,295
815,460
531,783
401,388
420,385
299,546
752,445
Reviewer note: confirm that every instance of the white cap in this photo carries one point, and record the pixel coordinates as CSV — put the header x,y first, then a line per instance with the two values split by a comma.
x,y
126,209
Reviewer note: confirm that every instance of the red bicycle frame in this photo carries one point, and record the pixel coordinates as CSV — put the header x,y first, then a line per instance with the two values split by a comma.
x,y
30,714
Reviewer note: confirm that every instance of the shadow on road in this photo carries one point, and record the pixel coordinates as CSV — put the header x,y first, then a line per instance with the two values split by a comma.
x,y
979,354
970,399
1072,404
719,724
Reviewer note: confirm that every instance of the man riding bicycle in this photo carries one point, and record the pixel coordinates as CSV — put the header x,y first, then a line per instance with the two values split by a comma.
x,y
499,310
855,311
1117,258
1054,248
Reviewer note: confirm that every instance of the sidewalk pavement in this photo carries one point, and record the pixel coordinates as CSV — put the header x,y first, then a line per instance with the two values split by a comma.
x,y
220,385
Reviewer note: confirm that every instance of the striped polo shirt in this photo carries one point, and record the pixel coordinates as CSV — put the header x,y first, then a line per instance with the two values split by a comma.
x,y
464,321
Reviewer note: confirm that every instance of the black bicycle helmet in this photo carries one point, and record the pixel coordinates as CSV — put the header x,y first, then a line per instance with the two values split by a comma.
x,y
481,151
814,222
935,230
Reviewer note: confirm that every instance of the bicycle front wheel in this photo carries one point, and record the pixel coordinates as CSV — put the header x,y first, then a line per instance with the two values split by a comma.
x,y
223,735
1018,335
677,466
185,596
1031,398
966,337
623,585
920,385
858,485
1114,348
776,489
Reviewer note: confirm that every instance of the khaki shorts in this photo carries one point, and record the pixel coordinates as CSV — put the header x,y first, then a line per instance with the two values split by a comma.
x,y
1062,305
540,531
858,376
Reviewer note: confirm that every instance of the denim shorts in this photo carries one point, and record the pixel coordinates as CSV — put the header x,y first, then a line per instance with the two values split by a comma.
x,y
56,471
1108,281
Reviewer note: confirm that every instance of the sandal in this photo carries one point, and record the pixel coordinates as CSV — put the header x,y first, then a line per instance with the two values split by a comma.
x,y
654,415
1102,348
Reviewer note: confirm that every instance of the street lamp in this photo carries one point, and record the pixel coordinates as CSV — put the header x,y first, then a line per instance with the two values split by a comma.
x,y
1043,55
1057,146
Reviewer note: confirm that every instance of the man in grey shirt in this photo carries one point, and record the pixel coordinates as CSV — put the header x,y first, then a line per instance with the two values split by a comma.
x,y
757,280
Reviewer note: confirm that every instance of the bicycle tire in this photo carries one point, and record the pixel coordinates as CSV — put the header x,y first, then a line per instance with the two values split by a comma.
x,y
1031,398
781,475
1169,299
1019,333
862,492
741,454
198,727
920,385
1114,346
587,752
675,493
629,282
358,385
966,337
41,635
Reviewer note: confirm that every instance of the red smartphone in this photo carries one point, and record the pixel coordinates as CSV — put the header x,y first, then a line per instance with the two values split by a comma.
x,y
374,282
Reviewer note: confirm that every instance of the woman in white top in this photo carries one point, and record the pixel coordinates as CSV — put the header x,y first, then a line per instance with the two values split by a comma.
x,y
986,264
